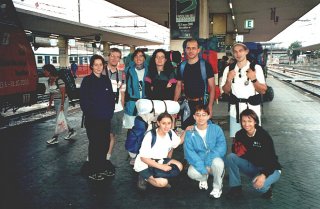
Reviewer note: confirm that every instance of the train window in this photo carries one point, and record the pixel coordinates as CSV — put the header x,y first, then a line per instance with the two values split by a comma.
x,y
39,59
76,59
54,60
70,59
85,60
4,38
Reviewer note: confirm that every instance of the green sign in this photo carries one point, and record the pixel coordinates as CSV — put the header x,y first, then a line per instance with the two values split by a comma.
x,y
249,24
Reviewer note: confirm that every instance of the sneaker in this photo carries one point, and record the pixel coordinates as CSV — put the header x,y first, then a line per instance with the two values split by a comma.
x,y
142,183
203,185
132,161
108,173
53,140
96,177
216,193
71,133
267,195
234,192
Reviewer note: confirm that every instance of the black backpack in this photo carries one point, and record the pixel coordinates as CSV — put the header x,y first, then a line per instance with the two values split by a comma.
x,y
70,84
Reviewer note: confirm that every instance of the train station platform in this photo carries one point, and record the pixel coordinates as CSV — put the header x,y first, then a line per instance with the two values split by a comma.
x,y
34,175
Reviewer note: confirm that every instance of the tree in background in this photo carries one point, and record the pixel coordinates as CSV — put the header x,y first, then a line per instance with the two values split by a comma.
x,y
293,50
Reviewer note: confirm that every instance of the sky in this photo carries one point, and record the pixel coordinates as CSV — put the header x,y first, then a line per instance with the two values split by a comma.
x,y
306,30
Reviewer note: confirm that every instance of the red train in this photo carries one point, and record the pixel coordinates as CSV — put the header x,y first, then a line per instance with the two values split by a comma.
x,y
18,71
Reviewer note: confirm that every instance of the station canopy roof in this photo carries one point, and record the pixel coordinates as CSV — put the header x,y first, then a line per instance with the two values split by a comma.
x,y
286,11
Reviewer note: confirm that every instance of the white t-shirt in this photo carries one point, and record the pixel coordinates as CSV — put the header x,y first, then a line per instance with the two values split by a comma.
x,y
240,90
122,85
140,74
159,150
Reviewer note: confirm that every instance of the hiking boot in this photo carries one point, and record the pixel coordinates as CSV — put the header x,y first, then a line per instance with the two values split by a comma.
x,y
96,177
216,193
235,192
267,195
53,140
71,133
142,183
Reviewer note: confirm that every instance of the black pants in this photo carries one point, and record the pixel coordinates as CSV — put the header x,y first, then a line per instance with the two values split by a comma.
x,y
98,132
190,120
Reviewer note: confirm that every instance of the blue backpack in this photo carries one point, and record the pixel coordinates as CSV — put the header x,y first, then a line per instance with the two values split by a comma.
x,y
136,134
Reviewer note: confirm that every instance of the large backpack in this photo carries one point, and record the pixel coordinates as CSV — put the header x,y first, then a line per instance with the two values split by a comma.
x,y
136,134
70,84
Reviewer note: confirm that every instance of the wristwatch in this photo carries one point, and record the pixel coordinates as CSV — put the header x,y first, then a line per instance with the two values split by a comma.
x,y
254,80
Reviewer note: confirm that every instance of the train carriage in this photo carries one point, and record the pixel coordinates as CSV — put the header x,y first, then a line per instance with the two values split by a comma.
x,y
18,74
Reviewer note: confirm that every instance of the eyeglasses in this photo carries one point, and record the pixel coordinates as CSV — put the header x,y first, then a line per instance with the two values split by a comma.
x,y
201,114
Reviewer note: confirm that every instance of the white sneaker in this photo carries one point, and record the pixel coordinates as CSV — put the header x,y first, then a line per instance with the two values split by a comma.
x,y
216,193
53,140
132,161
203,185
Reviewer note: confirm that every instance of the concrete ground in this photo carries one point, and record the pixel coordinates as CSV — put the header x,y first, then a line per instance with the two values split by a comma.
x,y
35,175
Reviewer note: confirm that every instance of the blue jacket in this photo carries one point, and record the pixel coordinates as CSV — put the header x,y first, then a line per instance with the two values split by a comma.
x,y
132,88
200,155
96,97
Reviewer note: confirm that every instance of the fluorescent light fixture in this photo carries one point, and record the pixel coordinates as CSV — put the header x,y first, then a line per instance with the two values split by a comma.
x,y
233,17
53,42
230,5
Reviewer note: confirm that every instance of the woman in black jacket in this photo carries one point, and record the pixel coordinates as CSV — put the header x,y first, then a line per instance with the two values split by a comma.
x,y
97,102
253,154
160,81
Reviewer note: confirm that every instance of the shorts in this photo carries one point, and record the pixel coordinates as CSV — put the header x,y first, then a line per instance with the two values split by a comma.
x,y
146,173
116,123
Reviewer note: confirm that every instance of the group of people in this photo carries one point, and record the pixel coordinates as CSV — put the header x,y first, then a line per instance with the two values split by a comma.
x,y
108,96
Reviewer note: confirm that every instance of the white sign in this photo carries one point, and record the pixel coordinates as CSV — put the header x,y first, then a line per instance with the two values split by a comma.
x,y
239,38
249,24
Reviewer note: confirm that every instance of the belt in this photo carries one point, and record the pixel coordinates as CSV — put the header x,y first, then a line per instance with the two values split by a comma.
x,y
195,99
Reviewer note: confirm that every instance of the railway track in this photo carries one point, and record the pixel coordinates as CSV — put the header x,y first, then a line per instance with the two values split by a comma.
x,y
306,80
33,113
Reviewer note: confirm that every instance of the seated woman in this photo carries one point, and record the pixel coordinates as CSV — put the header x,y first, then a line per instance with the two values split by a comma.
x,y
253,154
153,161
205,147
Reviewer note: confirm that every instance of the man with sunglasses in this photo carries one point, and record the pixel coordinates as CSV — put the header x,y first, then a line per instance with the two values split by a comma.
x,y
243,82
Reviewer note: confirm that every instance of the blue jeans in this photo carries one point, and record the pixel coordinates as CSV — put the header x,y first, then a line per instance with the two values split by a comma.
x,y
236,164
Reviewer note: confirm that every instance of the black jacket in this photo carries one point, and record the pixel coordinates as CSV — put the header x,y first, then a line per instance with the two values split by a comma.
x,y
259,150
97,99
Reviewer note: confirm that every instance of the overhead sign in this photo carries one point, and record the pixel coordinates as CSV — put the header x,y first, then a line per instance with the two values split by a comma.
x,y
239,38
249,24
184,19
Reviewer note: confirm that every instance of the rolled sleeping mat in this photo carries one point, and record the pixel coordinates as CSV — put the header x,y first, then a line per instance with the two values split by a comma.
x,y
145,106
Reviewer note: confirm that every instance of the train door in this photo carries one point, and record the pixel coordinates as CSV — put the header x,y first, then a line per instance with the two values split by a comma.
x,y
46,59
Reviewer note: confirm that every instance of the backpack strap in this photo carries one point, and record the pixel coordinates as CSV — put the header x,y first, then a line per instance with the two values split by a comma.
x,y
153,110
182,67
154,136
204,78
165,106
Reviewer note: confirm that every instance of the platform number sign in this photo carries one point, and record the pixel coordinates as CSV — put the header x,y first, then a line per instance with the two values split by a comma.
x,y
249,24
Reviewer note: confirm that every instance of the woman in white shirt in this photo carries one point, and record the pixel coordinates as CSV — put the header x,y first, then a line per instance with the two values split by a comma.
x,y
153,161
